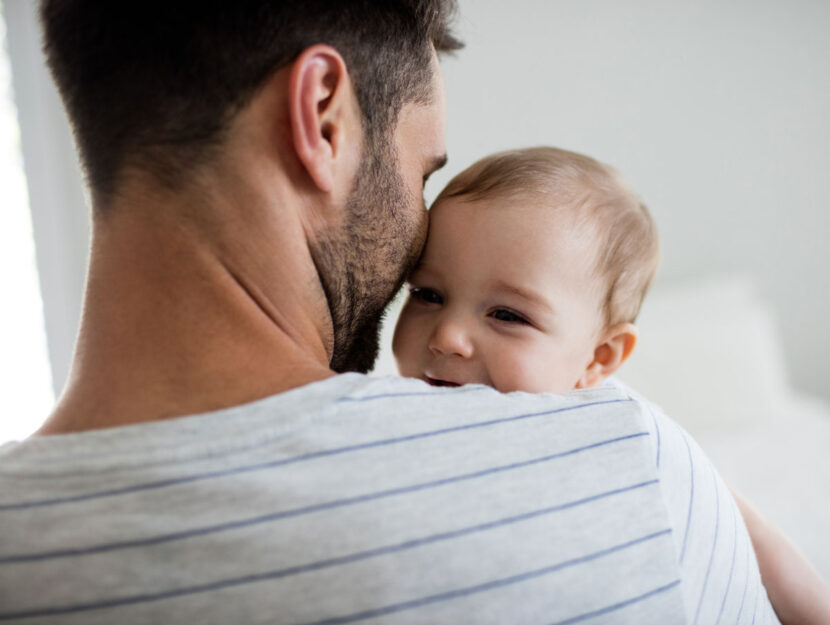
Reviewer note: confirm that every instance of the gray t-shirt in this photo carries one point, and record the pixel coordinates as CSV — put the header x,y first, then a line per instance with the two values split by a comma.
x,y
362,500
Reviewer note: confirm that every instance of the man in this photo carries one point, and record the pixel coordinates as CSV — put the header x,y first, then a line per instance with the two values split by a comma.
x,y
256,170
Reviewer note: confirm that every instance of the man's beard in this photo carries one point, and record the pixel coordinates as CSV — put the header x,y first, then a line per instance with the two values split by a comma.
x,y
364,261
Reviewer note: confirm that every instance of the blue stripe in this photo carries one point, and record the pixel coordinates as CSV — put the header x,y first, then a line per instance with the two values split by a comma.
x,y
111,603
691,497
618,606
277,463
731,566
714,545
444,393
337,503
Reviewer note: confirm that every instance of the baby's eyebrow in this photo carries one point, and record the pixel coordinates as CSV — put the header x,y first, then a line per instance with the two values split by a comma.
x,y
527,294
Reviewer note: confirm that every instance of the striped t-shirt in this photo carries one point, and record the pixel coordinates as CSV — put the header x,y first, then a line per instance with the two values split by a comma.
x,y
362,500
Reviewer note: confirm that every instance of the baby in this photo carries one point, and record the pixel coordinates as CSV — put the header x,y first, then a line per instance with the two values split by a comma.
x,y
536,264
535,267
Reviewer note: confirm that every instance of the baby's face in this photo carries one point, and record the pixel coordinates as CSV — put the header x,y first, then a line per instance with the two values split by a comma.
x,y
504,295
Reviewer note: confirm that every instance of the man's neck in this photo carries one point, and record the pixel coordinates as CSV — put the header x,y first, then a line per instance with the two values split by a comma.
x,y
181,319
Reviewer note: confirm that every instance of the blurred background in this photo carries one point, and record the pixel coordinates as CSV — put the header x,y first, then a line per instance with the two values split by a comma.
x,y
716,112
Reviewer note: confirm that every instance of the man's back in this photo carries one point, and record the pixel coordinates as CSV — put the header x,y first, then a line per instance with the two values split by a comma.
x,y
355,500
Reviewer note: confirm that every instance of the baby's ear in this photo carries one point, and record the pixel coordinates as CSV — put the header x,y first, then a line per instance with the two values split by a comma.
x,y
615,347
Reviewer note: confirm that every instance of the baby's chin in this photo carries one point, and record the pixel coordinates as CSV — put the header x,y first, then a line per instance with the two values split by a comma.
x,y
551,390
535,384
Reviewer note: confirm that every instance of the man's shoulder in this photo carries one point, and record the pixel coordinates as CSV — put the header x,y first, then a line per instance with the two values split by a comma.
x,y
545,502
600,407
369,405
392,392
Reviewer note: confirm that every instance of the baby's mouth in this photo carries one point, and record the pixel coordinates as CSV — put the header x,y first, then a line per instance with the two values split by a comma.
x,y
436,382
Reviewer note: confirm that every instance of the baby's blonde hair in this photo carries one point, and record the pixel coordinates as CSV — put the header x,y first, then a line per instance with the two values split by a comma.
x,y
628,252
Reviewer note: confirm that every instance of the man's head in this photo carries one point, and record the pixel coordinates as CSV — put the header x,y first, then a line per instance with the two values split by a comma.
x,y
153,84
534,272
155,88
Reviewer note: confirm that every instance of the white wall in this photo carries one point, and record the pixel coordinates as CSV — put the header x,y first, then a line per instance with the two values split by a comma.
x,y
718,112
56,198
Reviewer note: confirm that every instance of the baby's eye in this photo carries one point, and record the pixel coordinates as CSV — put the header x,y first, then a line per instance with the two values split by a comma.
x,y
425,295
508,316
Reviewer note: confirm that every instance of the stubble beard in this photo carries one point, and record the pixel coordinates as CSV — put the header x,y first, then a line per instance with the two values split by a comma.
x,y
362,264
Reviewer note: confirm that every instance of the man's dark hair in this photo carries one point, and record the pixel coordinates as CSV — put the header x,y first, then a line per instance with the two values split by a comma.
x,y
153,84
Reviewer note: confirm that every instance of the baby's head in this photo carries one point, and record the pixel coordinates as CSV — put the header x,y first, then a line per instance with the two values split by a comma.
x,y
535,267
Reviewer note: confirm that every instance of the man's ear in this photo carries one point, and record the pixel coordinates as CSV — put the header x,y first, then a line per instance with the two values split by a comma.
x,y
614,349
323,115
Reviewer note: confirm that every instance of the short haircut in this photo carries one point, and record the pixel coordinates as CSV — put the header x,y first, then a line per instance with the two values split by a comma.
x,y
153,84
628,250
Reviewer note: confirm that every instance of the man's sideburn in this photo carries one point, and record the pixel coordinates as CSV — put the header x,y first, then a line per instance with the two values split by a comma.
x,y
363,263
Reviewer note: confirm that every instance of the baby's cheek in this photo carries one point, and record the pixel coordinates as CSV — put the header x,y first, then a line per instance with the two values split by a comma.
x,y
528,370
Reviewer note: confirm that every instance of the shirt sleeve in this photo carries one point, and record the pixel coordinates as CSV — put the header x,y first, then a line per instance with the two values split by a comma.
x,y
721,581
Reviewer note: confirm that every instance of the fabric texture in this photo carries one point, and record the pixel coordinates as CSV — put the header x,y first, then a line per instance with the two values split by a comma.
x,y
362,500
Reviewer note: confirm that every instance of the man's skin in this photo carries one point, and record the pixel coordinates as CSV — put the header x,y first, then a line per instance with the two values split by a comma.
x,y
209,297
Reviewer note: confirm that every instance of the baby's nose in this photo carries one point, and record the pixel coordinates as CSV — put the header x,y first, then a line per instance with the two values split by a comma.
x,y
451,336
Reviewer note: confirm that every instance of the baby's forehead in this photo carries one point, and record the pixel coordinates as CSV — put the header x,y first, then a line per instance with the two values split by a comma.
x,y
531,210
534,232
